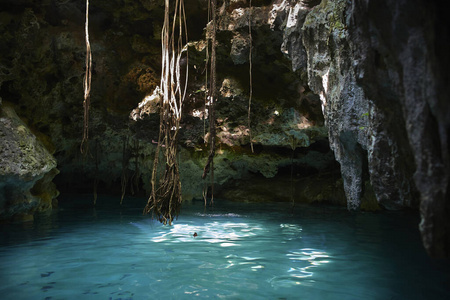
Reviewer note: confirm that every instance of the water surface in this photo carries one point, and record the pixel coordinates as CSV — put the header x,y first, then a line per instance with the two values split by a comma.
x,y
241,251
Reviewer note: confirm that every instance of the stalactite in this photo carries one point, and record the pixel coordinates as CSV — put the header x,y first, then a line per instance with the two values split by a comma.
x,y
165,199
87,86
209,167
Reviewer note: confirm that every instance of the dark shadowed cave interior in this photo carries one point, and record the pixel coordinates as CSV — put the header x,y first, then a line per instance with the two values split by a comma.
x,y
331,123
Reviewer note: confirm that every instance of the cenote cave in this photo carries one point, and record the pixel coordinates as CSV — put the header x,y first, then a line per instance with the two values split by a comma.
x,y
224,149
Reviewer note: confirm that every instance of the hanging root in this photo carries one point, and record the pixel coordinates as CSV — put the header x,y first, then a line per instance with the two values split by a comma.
x,y
209,167
250,74
206,82
87,86
165,199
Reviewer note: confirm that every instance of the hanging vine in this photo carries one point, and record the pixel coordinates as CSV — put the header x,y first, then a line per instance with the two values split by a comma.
x,y
206,77
165,199
209,167
205,185
87,86
250,73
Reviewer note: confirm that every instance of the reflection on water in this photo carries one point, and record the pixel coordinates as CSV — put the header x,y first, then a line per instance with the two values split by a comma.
x,y
245,251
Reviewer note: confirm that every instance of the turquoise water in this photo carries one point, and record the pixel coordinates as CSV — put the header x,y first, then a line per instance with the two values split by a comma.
x,y
241,251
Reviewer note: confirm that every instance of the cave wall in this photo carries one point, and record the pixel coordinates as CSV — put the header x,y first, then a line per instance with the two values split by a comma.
x,y
414,39
42,68
379,68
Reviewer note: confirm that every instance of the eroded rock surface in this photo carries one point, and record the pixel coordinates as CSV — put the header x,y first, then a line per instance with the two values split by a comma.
x,y
26,170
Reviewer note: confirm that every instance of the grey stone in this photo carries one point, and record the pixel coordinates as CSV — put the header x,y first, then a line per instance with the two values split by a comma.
x,y
24,162
385,103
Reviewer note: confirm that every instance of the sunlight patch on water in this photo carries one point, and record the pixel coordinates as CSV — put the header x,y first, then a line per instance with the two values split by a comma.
x,y
228,244
224,233
253,263
228,215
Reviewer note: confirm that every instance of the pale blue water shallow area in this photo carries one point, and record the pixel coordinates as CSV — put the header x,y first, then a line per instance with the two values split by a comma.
x,y
242,251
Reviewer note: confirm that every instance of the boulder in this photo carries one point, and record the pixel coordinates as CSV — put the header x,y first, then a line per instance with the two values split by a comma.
x,y
26,170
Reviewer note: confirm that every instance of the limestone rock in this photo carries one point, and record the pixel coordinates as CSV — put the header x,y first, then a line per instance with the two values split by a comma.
x,y
240,48
26,169
385,101
289,18
403,67
361,134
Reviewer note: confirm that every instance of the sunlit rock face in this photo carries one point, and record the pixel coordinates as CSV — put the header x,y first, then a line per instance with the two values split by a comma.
x,y
285,114
379,68
26,170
